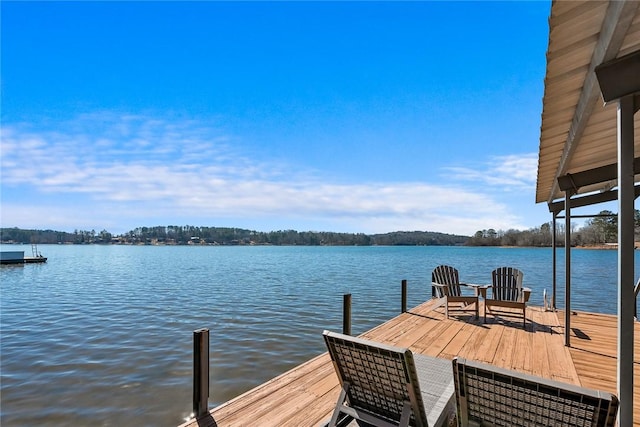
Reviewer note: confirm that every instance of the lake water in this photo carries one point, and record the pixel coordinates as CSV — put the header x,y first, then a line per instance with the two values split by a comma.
x,y
103,335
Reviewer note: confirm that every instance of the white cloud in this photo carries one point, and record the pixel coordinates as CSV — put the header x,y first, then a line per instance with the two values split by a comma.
x,y
106,169
510,173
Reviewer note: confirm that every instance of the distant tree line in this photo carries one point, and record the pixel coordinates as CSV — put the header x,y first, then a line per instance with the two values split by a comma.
x,y
192,235
18,235
599,230
237,236
418,238
540,236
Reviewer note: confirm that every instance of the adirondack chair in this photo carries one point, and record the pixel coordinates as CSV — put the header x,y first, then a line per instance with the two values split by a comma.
x,y
445,283
508,297
492,396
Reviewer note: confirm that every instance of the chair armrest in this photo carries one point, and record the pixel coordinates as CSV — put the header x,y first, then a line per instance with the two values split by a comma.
x,y
443,288
526,293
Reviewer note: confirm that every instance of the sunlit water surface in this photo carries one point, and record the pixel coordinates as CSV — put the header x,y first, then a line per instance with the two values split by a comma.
x,y
103,335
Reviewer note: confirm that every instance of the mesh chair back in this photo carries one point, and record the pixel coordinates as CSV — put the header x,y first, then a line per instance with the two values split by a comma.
x,y
485,393
507,284
380,378
446,275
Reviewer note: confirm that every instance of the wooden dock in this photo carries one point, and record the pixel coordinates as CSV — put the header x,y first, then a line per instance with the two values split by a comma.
x,y
306,395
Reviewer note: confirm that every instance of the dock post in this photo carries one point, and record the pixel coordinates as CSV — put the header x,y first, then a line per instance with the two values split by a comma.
x,y
346,314
200,372
636,290
403,309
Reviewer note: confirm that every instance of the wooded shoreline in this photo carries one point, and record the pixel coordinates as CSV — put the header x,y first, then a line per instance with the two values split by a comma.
x,y
595,235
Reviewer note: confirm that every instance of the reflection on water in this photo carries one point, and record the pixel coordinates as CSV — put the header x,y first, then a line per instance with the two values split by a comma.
x,y
102,335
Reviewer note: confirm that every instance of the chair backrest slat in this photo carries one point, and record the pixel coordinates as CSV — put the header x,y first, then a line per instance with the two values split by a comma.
x,y
447,275
507,284
500,397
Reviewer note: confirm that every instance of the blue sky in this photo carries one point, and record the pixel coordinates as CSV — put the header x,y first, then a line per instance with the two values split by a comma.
x,y
324,116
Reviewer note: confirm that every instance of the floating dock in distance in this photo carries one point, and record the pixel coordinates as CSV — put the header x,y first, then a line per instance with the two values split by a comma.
x,y
17,257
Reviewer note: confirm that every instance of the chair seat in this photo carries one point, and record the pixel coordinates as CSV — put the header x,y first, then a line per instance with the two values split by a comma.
x,y
437,389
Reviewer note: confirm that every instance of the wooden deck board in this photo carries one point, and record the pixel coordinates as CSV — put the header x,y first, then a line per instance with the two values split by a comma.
x,y
594,341
262,397
306,395
541,363
438,330
504,352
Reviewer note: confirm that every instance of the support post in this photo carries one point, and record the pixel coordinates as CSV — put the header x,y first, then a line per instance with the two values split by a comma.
x,y
200,372
626,297
403,308
567,268
636,290
346,314
555,262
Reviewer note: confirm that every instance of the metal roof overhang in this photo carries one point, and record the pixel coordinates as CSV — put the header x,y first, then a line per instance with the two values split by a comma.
x,y
578,131
588,146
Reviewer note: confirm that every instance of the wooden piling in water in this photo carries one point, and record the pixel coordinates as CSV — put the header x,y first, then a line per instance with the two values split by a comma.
x,y
346,314
403,308
200,372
